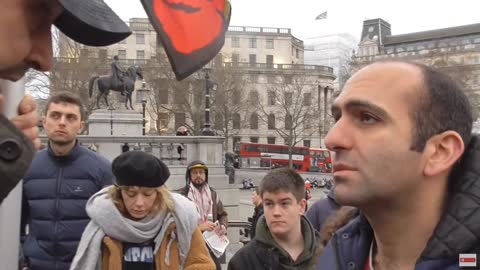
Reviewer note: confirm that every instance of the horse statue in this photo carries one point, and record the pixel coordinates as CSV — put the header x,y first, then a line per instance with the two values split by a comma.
x,y
105,84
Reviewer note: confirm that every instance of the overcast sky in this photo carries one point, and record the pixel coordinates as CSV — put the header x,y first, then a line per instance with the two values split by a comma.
x,y
405,16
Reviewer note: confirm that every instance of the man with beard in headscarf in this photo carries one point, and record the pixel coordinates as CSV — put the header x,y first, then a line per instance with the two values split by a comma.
x,y
209,206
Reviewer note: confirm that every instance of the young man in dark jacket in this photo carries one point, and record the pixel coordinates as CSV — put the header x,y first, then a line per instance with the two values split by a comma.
x,y
284,238
56,188
209,206
404,155
258,211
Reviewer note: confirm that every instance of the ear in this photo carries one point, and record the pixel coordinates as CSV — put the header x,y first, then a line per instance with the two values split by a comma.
x,y
82,124
44,121
302,205
442,151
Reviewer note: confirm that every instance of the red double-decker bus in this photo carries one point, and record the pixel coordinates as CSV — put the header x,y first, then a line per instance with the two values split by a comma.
x,y
260,155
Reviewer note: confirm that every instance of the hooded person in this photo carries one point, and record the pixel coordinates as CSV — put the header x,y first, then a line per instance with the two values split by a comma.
x,y
209,206
139,224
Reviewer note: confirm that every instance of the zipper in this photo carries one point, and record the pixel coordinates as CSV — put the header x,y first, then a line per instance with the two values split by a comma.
x,y
336,250
57,202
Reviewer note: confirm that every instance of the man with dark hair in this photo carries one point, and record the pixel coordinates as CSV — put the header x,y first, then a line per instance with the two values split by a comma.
x,y
258,210
405,157
57,186
209,206
320,210
284,238
25,31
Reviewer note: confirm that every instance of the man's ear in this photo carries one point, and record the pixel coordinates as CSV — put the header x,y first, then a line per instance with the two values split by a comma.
x,y
442,152
302,205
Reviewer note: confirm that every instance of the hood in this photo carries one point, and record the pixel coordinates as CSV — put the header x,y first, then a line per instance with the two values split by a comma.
x,y
459,229
263,235
191,165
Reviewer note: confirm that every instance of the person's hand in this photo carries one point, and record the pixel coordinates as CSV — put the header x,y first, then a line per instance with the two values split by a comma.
x,y
27,119
207,226
220,229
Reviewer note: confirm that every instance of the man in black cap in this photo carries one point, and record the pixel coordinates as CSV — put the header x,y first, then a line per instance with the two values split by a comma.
x,y
25,32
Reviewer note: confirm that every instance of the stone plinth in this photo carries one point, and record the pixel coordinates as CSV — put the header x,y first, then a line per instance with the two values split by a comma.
x,y
115,123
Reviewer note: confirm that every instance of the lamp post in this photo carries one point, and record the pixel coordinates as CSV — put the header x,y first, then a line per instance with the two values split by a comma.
x,y
143,99
209,85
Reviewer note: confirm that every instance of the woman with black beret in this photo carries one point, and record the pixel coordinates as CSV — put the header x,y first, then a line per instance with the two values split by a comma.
x,y
139,224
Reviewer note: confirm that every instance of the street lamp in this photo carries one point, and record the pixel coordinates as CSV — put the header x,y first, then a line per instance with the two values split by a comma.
x,y
209,85
143,99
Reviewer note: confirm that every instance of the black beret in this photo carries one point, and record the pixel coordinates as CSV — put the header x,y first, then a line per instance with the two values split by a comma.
x,y
137,168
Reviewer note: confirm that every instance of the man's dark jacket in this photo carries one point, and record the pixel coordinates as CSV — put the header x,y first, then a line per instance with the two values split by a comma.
x,y
257,213
318,213
55,191
263,253
457,232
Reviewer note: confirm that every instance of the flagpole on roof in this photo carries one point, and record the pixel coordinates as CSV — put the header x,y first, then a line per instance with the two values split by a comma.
x,y
11,207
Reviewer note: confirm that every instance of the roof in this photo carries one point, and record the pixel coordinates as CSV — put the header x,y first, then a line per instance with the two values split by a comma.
x,y
433,34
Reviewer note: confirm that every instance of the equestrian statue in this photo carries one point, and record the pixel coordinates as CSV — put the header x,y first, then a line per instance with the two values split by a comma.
x,y
119,81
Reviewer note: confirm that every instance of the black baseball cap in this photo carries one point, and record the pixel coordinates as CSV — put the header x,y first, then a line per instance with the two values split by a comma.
x,y
91,22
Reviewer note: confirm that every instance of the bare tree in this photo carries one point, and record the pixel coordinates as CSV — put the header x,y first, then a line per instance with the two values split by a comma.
x,y
291,110
228,101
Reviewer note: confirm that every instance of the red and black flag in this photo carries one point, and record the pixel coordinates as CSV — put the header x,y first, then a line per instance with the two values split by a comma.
x,y
191,31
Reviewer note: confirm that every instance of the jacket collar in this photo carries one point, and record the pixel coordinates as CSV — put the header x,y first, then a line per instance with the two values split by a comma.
x,y
74,153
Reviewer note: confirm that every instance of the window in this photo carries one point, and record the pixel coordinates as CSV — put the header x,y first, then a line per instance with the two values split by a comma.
x,y
271,98
306,143
236,121
180,96
163,96
218,121
271,121
288,121
140,38
271,140
307,121
252,43
288,79
141,56
253,97
252,59
254,121
269,43
235,42
288,98
122,54
179,120
235,58
269,61
307,99
235,141
162,121
254,139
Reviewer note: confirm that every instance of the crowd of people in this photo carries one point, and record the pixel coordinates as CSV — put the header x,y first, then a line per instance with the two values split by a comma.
x,y
406,171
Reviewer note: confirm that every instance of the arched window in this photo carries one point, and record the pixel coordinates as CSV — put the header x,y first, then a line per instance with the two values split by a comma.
x,y
288,121
271,121
236,121
254,121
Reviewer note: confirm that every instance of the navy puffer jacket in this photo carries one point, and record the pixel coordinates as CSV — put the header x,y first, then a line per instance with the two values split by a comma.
x,y
55,191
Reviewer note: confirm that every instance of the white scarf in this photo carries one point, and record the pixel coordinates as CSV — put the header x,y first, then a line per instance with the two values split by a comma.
x,y
107,220
203,201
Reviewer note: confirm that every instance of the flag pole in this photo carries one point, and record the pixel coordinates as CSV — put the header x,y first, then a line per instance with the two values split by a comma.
x,y
11,207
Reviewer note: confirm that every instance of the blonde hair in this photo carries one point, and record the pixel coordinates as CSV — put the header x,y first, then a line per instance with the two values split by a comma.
x,y
163,201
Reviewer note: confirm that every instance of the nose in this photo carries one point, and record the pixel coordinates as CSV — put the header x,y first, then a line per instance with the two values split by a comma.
x,y
339,136
139,201
41,54
276,210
